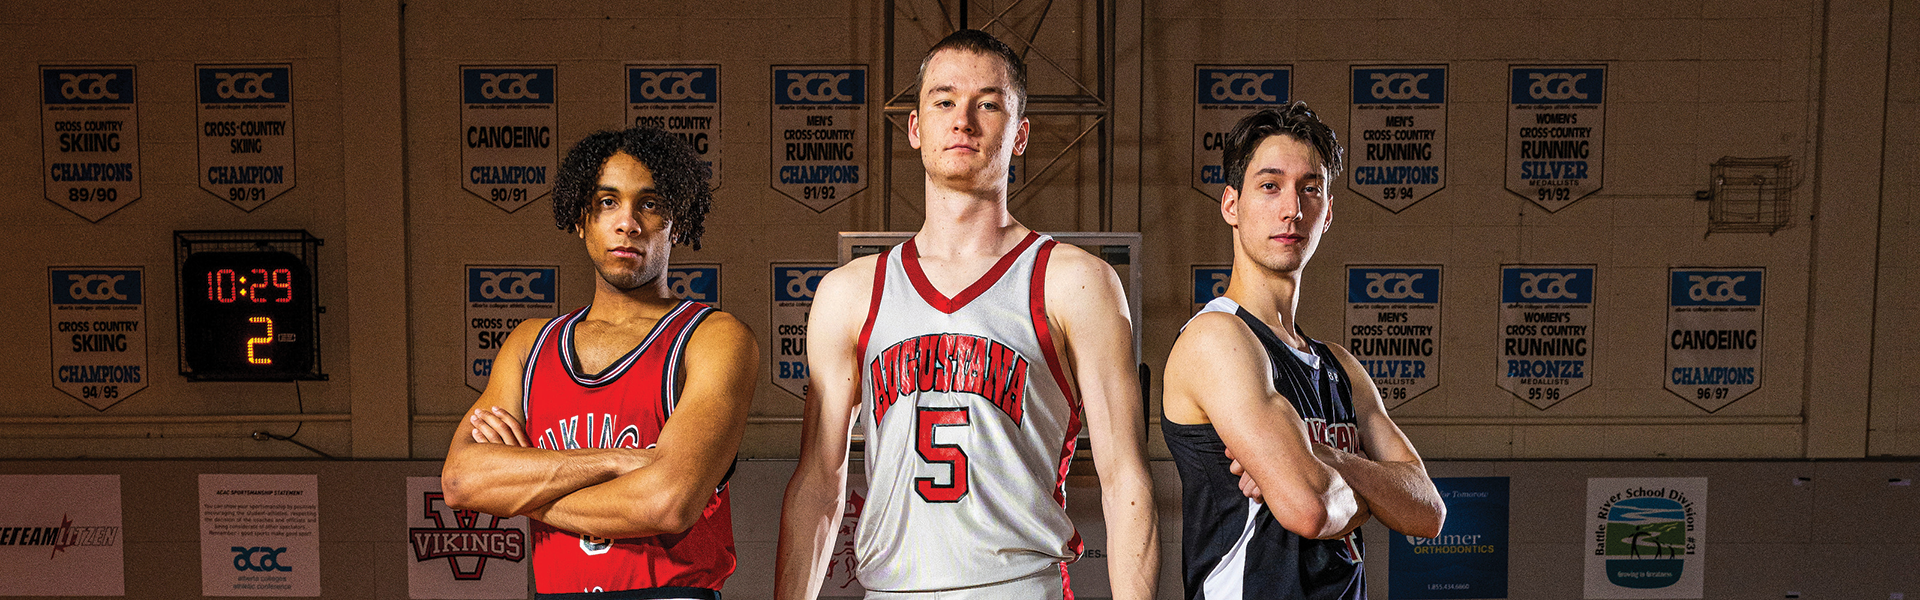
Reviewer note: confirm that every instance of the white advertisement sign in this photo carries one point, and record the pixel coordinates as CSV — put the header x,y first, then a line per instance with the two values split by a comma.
x,y
793,287
682,99
1222,95
1546,331
1397,133
499,298
246,132
1647,537
1393,328
61,536
98,333
455,554
1715,322
819,127
1556,132
507,124
259,535
90,131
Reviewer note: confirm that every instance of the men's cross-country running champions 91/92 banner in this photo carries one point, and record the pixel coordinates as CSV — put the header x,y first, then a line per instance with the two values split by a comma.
x,y
90,131
1222,95
1646,537
819,129
507,124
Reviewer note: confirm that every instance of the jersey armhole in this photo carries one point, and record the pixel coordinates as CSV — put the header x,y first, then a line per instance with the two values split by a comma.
x,y
873,304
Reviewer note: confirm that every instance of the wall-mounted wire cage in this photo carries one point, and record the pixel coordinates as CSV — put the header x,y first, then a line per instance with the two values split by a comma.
x,y
1751,195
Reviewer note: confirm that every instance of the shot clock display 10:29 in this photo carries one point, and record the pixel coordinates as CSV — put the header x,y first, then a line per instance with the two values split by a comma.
x,y
247,316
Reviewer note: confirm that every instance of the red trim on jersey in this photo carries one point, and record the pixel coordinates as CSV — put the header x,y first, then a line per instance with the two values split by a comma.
x,y
910,258
873,305
1066,581
1037,304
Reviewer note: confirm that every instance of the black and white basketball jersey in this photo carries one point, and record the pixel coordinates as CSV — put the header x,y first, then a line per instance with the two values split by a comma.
x,y
1233,547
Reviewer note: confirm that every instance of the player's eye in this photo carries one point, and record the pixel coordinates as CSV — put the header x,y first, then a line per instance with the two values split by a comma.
x,y
990,105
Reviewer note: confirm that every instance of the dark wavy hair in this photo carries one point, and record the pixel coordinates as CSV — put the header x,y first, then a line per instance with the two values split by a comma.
x,y
981,42
1294,120
679,176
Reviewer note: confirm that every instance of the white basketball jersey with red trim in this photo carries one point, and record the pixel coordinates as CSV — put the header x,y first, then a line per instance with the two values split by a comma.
x,y
969,424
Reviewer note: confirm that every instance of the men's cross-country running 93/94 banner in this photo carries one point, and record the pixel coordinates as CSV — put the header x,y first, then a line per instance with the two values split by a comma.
x,y
60,536
1715,321
683,100
246,132
1646,537
794,285
1556,132
1393,328
507,124
90,131
1398,125
499,298
1546,331
99,334
454,554
819,127
1222,95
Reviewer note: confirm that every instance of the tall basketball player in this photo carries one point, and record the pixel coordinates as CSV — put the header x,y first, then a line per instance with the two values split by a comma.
x,y
633,406
1316,452
969,353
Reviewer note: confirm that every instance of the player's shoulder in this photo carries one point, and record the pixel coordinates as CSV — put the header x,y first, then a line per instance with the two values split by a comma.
x,y
721,326
1214,330
1081,275
853,278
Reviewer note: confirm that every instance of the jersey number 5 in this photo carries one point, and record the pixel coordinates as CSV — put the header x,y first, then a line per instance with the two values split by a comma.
x,y
930,488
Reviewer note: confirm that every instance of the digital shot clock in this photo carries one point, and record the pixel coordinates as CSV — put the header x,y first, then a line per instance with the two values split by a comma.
x,y
247,304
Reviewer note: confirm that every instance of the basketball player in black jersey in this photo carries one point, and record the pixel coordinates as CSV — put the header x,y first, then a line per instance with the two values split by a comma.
x,y
1283,446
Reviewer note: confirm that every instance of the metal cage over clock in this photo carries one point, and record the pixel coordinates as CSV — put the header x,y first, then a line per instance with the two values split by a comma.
x,y
248,305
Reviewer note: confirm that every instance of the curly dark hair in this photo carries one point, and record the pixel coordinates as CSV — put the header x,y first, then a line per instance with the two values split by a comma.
x,y
1294,120
679,176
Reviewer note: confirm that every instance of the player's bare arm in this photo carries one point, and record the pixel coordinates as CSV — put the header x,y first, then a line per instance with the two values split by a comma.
x,y
1390,476
1088,307
1218,372
810,514
695,449
490,466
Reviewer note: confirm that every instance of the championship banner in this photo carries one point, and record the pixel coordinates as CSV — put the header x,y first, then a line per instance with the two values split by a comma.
x,y
61,536
456,554
259,535
794,284
1209,282
99,333
507,123
683,100
1393,328
1222,95
695,281
1556,132
499,298
1399,117
1647,537
819,128
90,136
1546,331
1715,318
1468,559
246,132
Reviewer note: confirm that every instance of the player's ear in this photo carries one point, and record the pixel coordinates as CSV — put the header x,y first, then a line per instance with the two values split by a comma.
x,y
1230,206
1020,137
913,128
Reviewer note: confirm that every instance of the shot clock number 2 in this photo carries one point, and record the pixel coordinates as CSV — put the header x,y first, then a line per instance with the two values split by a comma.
x,y
247,316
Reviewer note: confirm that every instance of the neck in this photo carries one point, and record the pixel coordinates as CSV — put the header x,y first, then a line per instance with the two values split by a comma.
x,y
967,222
1270,296
647,302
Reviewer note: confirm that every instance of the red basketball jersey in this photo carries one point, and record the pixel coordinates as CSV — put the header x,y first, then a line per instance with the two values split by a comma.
x,y
624,406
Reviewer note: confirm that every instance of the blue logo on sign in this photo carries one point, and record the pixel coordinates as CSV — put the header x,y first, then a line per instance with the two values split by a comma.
x,y
507,85
820,86
94,286
673,85
510,284
86,86
1400,85
797,283
1399,285
1210,283
1242,85
1558,85
258,558
1716,288
245,85
699,284
1546,285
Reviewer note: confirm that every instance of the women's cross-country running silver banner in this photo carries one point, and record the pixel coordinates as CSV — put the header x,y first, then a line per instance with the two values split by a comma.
x,y
1556,132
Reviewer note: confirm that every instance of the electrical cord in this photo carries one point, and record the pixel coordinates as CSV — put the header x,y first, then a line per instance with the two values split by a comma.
x,y
301,406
